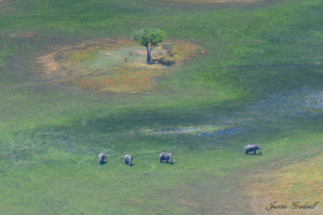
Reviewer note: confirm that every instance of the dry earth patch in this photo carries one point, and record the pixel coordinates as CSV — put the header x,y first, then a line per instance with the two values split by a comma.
x,y
113,65
28,34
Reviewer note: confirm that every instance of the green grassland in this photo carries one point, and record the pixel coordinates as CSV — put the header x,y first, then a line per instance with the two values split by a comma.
x,y
260,82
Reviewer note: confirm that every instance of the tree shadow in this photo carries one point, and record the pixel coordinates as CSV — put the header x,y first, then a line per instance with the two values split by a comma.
x,y
163,62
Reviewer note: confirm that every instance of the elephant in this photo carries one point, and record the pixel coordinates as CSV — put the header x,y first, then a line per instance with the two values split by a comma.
x,y
128,159
101,158
253,148
165,156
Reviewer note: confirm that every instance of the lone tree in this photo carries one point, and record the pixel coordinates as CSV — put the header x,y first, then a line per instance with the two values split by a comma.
x,y
149,38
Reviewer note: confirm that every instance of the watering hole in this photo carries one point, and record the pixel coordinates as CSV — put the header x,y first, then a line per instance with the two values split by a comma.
x,y
303,103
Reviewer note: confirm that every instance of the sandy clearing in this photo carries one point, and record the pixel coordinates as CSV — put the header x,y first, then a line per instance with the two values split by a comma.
x,y
86,65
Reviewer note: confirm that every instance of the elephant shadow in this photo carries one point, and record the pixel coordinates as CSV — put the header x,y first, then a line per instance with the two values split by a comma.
x,y
103,163
171,163
254,154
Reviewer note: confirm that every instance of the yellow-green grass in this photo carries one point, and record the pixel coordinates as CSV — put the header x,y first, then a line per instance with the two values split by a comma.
x,y
297,182
59,170
51,131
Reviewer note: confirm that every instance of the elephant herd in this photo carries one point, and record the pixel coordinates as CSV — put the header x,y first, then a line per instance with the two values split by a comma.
x,y
128,159
168,156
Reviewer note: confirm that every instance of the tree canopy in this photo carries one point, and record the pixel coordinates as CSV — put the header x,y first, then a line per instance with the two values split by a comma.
x,y
150,38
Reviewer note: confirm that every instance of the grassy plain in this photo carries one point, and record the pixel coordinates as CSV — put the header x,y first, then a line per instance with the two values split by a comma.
x,y
259,81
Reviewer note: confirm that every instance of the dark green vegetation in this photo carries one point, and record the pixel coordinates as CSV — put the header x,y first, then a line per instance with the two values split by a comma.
x,y
150,38
261,81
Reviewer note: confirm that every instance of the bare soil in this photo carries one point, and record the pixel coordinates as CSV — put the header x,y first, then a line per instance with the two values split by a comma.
x,y
71,64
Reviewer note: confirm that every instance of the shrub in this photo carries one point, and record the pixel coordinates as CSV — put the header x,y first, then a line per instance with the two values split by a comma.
x,y
169,50
168,47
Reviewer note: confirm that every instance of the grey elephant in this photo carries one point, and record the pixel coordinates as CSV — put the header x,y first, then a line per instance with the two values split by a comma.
x,y
165,156
253,148
128,159
101,158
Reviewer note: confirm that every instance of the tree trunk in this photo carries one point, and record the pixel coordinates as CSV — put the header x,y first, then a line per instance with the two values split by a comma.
x,y
148,57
